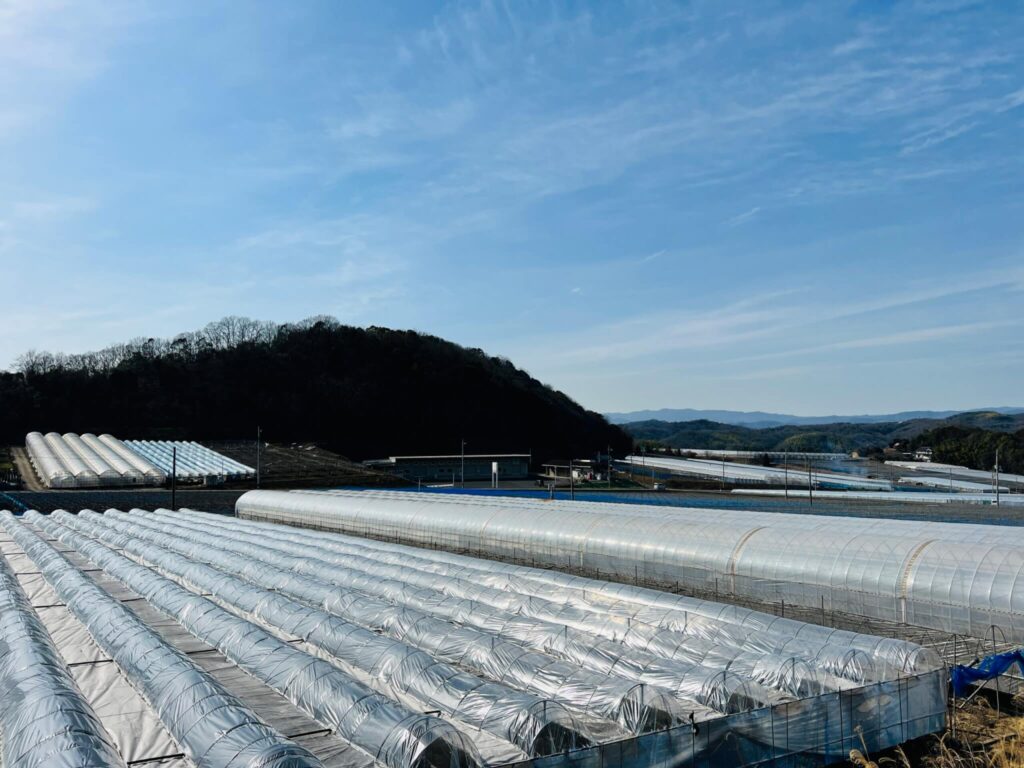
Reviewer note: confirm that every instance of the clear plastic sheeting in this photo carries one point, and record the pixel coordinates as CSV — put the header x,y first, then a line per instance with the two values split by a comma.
x,y
916,572
812,725
947,483
634,707
640,616
945,470
276,594
535,725
48,465
936,496
86,461
691,649
749,474
78,469
129,473
387,731
107,474
44,720
194,461
152,474
725,658
536,624
977,533
212,727
817,731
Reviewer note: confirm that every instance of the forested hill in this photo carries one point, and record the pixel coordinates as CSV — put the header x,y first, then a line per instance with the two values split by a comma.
x,y
975,447
839,438
362,392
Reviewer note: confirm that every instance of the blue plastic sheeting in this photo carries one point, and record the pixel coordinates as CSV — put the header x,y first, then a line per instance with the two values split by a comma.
x,y
988,668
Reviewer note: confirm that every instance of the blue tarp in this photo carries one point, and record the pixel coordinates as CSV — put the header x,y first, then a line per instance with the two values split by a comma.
x,y
991,666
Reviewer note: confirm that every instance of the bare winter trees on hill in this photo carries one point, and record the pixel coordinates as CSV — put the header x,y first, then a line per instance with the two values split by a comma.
x,y
226,333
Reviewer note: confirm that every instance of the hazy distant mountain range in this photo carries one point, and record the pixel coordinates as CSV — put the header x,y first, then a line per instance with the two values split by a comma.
x,y
761,419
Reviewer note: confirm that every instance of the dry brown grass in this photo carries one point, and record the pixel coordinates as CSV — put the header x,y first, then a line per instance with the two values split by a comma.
x,y
990,738
1008,751
985,739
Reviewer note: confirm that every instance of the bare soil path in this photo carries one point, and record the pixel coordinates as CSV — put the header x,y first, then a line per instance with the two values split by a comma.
x,y
24,467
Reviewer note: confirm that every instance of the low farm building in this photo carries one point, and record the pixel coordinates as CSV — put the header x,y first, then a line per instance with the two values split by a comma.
x,y
450,468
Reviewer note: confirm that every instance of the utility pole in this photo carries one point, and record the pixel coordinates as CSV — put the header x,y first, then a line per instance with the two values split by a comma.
x,y
572,481
609,467
810,483
462,479
174,477
997,489
259,450
785,459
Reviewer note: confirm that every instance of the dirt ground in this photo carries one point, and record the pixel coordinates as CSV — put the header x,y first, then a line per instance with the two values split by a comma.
x,y
24,467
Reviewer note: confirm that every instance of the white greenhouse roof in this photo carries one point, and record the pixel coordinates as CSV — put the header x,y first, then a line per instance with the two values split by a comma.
x,y
943,470
87,461
950,577
795,475
192,460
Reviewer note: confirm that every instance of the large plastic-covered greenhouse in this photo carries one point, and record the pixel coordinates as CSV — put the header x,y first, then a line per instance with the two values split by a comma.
x,y
749,474
87,461
239,642
947,576
193,461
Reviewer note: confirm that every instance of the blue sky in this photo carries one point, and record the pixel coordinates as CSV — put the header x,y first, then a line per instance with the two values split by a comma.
x,y
810,208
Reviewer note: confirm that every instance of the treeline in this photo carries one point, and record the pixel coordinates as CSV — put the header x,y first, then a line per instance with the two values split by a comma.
x,y
223,334
958,441
361,392
826,438
974,448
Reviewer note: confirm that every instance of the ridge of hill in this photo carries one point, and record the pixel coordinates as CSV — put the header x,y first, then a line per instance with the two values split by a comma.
x,y
760,419
361,392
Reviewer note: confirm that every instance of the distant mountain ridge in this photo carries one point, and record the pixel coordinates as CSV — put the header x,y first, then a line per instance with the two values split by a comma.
x,y
762,419
970,438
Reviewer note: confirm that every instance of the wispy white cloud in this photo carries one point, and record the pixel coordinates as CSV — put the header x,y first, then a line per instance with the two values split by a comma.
x,y
853,45
50,47
797,322
337,254
960,119
662,332
381,117
540,148
913,337
53,208
918,335
745,216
